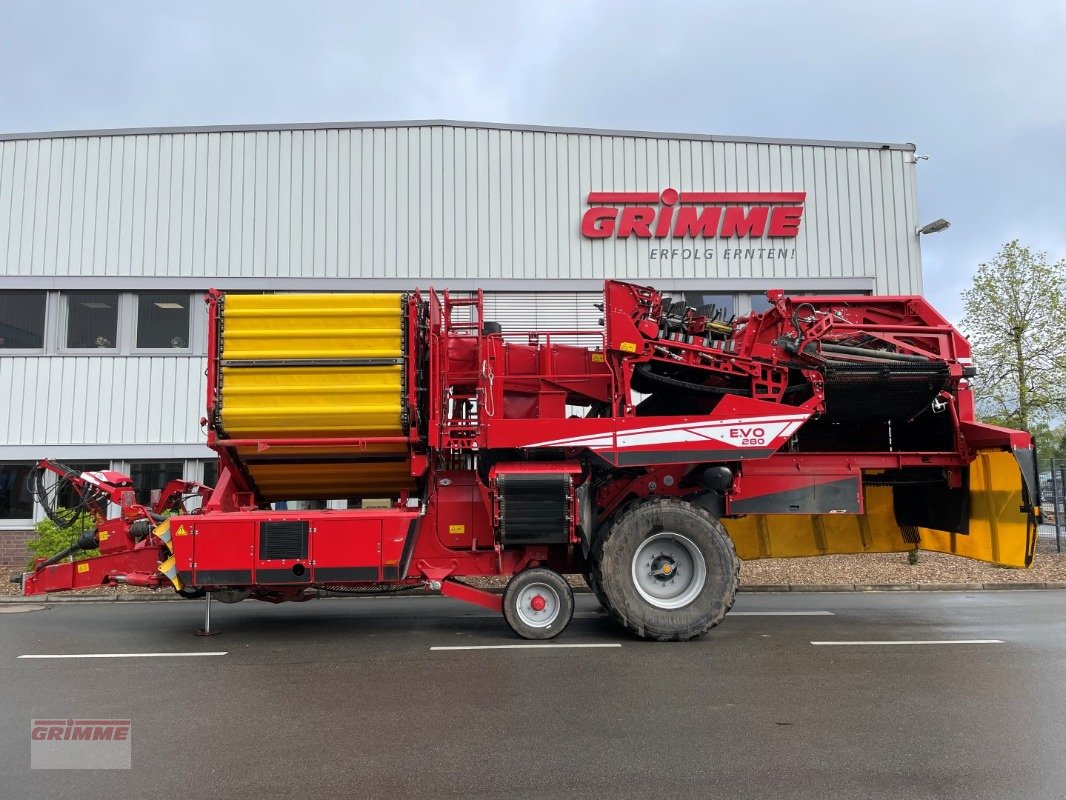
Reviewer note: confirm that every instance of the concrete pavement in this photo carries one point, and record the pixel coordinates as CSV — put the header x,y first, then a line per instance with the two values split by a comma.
x,y
346,698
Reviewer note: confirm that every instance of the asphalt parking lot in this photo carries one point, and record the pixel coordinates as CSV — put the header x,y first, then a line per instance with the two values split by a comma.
x,y
349,698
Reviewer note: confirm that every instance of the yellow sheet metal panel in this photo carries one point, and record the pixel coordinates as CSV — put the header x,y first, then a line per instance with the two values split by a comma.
x,y
311,326
346,453
999,532
279,402
798,535
330,480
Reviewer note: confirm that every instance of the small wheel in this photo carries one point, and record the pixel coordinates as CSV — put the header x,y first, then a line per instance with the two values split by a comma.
x,y
538,603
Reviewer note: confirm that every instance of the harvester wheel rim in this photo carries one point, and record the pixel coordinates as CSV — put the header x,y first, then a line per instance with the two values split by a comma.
x,y
538,605
669,570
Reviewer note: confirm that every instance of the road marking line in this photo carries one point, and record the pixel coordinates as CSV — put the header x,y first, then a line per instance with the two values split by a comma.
x,y
920,641
781,614
603,614
127,655
521,646
577,616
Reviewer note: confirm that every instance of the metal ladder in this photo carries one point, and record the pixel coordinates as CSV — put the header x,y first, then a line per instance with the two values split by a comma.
x,y
462,393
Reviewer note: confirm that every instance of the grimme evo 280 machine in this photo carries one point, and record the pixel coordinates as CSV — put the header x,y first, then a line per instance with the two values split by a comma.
x,y
647,455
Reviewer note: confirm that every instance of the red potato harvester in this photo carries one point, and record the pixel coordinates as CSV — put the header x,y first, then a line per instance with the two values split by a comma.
x,y
646,456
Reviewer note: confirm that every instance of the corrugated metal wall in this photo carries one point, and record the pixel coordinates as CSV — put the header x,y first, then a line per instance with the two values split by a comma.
x,y
426,202
93,399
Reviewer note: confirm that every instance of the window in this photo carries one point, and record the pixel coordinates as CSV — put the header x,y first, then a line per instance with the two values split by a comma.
x,y
163,321
827,292
150,476
759,303
210,472
67,497
92,320
21,320
724,302
15,500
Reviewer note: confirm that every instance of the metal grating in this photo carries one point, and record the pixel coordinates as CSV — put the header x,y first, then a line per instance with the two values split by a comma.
x,y
534,509
278,540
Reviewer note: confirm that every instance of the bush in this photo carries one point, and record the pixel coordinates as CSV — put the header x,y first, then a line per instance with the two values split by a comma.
x,y
51,538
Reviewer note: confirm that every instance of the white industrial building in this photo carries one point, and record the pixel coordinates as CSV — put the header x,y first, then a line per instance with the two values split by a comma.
x,y
109,238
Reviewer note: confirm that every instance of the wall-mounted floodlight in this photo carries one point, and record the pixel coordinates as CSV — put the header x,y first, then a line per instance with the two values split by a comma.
x,y
936,226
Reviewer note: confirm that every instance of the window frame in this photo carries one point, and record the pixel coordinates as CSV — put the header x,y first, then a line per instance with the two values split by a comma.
x,y
8,352
80,466
731,295
135,322
121,313
20,523
133,463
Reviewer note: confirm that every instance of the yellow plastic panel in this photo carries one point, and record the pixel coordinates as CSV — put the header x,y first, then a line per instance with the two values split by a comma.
x,y
999,531
797,535
311,326
278,402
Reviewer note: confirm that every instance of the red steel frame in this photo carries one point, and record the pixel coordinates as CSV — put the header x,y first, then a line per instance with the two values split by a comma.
x,y
491,401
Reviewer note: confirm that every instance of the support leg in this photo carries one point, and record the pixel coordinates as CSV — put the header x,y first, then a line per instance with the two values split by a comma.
x,y
206,629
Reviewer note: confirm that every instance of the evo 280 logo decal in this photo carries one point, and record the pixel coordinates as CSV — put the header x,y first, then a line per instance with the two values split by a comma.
x,y
706,215
738,433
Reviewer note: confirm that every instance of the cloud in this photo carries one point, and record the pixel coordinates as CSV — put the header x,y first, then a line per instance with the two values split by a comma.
x,y
978,86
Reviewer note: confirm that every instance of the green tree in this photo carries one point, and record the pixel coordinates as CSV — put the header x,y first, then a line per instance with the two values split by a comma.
x,y
1051,442
1016,323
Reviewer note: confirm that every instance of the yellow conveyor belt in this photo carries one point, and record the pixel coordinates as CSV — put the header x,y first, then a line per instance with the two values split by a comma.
x,y
315,366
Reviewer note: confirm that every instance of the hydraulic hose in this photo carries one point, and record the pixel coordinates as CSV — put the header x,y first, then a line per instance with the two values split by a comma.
x,y
47,498
645,371
828,347
87,541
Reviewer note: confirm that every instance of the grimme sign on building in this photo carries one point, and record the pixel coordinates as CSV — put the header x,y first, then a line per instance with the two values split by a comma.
x,y
690,215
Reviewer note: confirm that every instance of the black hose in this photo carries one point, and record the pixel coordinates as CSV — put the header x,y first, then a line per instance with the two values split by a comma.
x,y
47,499
66,551
377,588
698,388
795,317
644,371
87,541
828,347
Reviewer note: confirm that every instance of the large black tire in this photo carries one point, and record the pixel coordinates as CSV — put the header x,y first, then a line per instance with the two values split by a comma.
x,y
594,587
661,595
556,600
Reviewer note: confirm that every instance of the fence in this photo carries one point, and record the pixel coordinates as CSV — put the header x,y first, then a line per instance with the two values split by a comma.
x,y
1053,500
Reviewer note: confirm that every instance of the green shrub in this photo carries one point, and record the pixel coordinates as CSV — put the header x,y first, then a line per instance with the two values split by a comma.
x,y
912,556
51,538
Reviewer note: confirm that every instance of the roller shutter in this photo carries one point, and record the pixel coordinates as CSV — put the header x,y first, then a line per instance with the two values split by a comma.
x,y
546,311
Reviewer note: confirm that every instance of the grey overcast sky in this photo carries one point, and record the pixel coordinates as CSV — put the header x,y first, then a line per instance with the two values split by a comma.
x,y
980,87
